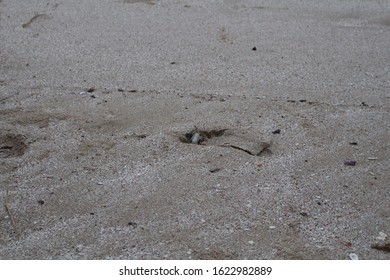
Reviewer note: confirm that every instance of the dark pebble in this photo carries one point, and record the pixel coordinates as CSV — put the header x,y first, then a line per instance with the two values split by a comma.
x,y
304,214
41,202
133,90
121,90
254,49
132,224
214,170
350,162
91,89
364,104
302,100
93,96
276,131
173,62
353,143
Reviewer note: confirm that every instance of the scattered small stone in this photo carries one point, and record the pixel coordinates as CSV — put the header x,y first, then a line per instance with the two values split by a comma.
x,y
91,89
254,49
251,242
382,236
348,244
41,202
132,224
276,131
304,214
350,162
353,257
302,100
91,213
364,104
93,96
372,158
272,227
292,101
121,90
173,62
100,183
214,170
353,143
132,90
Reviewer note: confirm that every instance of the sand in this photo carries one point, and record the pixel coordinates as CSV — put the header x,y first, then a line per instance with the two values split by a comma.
x,y
292,99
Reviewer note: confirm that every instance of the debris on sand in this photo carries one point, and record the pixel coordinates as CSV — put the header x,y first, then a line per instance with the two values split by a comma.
x,y
350,162
214,170
382,247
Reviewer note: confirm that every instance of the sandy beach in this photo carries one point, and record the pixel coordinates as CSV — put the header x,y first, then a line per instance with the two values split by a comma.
x,y
194,129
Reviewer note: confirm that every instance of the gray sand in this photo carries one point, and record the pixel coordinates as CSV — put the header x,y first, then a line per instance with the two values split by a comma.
x,y
96,99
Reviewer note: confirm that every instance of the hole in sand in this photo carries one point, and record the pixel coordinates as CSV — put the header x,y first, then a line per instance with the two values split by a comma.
x,y
197,136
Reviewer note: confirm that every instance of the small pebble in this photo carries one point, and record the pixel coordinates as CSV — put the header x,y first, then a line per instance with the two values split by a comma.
x,y
272,227
251,242
41,202
213,170
350,162
254,49
100,183
132,224
276,131
91,89
382,236
353,256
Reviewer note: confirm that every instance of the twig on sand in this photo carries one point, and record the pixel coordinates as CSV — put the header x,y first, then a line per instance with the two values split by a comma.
x,y
8,208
